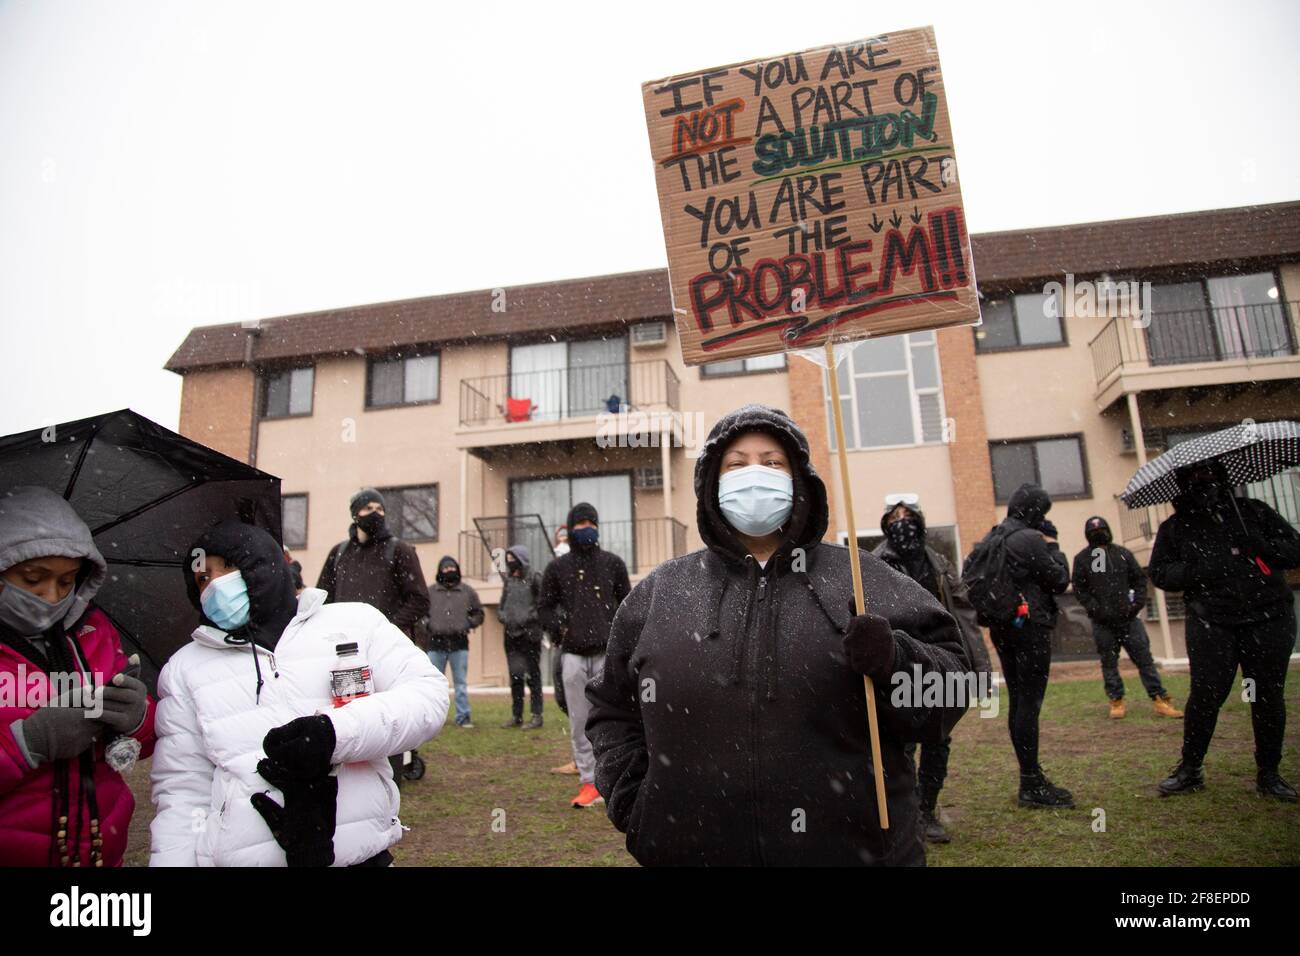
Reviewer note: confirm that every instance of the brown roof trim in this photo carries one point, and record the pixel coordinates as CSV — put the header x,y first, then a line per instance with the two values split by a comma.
x,y
1155,244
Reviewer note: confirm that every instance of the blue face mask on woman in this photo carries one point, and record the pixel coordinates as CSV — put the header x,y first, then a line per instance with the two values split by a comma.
x,y
225,601
756,500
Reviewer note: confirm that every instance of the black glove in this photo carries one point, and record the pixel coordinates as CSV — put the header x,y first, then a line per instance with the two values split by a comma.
x,y
302,748
125,701
869,646
304,826
1048,529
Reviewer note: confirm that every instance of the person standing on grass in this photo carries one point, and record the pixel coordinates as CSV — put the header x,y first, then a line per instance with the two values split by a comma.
x,y
454,611
1112,587
373,567
517,612
906,551
1037,571
1228,557
581,591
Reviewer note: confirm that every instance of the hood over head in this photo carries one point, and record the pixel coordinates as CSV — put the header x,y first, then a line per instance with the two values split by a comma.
x,y
1096,526
272,602
520,551
808,520
1030,503
38,523
447,564
914,510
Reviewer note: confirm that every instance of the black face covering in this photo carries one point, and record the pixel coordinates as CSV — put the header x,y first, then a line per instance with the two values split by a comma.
x,y
448,575
906,535
512,564
1099,537
371,524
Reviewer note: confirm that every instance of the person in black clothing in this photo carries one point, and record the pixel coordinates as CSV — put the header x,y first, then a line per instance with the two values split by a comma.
x,y
517,611
581,591
730,720
1112,587
1024,645
374,567
906,551
1227,555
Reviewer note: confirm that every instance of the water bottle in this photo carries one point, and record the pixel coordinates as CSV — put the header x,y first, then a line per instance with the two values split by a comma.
x,y
350,677
1022,613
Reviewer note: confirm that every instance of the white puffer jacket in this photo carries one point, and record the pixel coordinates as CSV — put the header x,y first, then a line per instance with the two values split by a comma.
x,y
211,722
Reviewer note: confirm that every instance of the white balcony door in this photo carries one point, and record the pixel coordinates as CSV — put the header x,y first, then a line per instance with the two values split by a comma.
x,y
597,373
551,498
537,372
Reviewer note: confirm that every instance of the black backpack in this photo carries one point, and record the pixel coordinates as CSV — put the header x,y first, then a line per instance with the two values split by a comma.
x,y
987,575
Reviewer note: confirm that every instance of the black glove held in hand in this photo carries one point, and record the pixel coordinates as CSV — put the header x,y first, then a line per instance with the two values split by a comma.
x,y
869,646
302,748
304,826
1048,529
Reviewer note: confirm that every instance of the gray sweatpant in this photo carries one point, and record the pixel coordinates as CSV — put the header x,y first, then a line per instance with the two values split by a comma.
x,y
578,670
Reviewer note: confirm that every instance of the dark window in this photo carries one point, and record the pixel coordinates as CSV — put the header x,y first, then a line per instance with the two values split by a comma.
x,y
287,392
1057,464
412,512
744,366
293,515
403,380
1025,321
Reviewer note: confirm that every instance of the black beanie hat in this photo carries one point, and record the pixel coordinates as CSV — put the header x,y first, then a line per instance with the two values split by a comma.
x,y
363,498
582,511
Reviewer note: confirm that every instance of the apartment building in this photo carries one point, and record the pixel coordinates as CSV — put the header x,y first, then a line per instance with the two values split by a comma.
x,y
484,415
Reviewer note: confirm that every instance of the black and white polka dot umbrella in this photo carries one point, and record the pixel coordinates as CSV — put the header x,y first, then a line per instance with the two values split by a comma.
x,y
1251,451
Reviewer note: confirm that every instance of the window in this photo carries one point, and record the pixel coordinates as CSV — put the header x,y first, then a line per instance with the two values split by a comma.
x,y
744,366
1026,321
287,392
551,498
1057,464
890,392
412,512
293,516
1217,319
570,379
402,380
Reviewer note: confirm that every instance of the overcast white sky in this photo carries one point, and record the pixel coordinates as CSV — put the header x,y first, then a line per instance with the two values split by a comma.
x,y
170,164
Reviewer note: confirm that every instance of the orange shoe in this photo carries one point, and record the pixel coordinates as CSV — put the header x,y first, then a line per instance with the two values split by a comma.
x,y
587,796
1117,709
1164,707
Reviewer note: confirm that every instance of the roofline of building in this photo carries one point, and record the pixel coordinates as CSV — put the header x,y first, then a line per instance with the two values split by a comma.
x,y
1148,245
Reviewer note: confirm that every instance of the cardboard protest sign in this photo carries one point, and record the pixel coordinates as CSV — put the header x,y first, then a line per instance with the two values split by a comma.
x,y
810,196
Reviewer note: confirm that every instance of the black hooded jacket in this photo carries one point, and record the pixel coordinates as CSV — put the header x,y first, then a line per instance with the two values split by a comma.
x,y
948,588
727,725
1203,551
1037,565
1103,577
272,603
382,572
581,591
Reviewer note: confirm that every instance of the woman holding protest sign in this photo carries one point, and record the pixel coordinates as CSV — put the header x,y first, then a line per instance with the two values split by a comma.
x,y
729,723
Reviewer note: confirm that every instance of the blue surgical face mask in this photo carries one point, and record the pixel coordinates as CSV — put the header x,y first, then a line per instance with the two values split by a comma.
x,y
756,500
585,537
225,601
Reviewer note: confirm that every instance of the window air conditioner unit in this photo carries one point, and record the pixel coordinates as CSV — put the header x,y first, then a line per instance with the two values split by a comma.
x,y
650,476
645,334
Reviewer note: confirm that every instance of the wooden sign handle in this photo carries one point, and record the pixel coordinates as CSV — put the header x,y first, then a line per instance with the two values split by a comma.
x,y
856,565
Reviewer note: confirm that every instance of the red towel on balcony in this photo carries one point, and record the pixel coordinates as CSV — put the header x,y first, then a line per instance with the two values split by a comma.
x,y
519,409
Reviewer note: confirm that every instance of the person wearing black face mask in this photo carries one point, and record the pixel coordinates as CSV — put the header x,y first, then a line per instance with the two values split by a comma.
x,y
517,612
374,567
1227,556
906,551
1112,587
454,611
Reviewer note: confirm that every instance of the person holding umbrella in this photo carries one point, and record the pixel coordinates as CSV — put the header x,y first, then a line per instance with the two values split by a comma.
x,y
61,802
729,721
1227,556
276,721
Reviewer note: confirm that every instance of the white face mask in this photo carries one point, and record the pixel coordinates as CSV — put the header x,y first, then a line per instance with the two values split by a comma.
x,y
756,500
30,615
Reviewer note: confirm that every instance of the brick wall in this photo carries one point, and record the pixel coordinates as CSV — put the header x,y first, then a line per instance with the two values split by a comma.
x,y
217,409
968,447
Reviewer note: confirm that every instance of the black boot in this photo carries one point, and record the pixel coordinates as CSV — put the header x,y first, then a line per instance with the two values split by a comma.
x,y
932,830
535,723
1185,778
1037,791
1269,783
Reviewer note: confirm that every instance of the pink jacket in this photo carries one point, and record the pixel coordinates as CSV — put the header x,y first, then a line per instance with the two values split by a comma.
x,y
26,795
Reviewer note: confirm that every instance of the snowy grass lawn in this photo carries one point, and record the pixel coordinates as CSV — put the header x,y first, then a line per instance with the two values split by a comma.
x,y
489,800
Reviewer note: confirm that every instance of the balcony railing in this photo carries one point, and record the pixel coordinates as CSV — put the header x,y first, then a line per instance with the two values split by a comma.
x,y
1281,492
560,393
643,543
1196,335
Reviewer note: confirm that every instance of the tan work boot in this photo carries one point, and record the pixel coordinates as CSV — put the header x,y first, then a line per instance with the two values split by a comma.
x,y
1117,708
568,768
1165,707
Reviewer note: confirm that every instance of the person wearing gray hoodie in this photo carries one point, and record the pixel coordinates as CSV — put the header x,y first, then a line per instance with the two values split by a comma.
x,y
517,612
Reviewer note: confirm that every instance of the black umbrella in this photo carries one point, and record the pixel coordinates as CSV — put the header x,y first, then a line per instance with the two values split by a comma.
x,y
147,493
